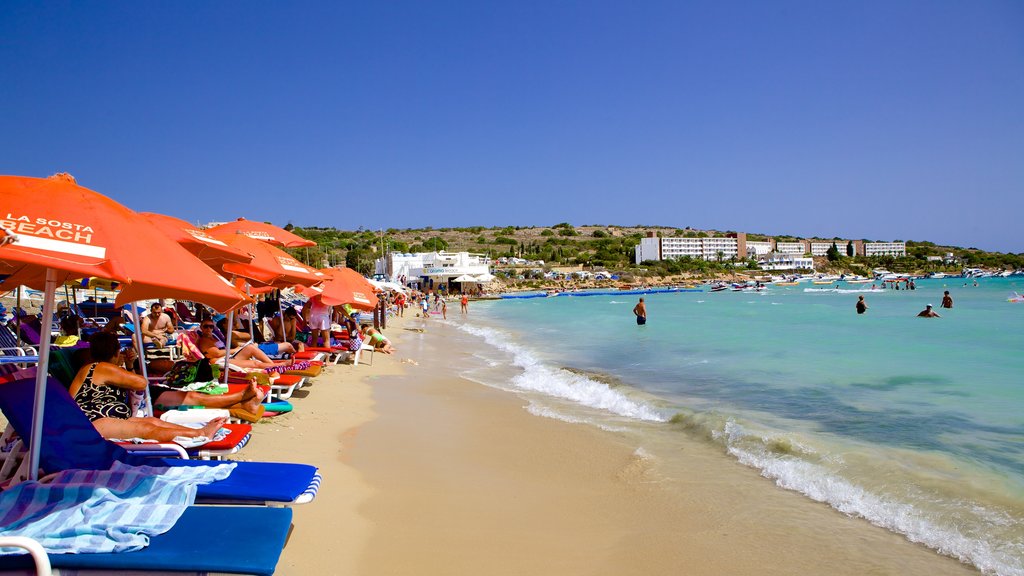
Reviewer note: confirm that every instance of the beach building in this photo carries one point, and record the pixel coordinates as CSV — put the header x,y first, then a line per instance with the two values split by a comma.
x,y
783,261
431,269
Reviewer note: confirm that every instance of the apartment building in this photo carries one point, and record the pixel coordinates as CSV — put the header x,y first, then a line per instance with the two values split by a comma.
x,y
897,249
712,248
820,247
797,248
737,246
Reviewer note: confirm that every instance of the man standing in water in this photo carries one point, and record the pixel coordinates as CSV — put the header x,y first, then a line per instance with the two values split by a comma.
x,y
928,312
862,306
641,312
947,300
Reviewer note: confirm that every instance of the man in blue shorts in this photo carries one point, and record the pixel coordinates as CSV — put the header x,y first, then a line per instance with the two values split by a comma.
x,y
641,312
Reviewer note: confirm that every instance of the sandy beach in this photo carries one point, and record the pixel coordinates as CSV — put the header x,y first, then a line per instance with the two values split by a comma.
x,y
429,473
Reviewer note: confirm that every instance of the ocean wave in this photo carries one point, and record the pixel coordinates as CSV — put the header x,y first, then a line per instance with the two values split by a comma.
x,y
548,412
844,290
536,376
963,534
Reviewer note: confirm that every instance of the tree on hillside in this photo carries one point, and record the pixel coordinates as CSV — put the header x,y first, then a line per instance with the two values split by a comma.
x,y
833,253
360,260
435,244
849,248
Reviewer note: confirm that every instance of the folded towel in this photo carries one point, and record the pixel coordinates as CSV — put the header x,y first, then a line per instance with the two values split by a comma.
x,y
96,511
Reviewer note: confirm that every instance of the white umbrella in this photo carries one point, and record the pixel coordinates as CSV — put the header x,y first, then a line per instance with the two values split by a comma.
x,y
388,286
466,278
485,277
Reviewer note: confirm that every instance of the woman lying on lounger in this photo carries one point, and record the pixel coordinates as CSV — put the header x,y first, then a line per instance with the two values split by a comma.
x,y
246,356
100,388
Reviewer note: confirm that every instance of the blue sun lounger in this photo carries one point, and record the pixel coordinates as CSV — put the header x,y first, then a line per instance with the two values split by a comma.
x,y
72,442
235,540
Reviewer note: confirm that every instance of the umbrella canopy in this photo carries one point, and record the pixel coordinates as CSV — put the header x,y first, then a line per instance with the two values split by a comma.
x,y
270,266
466,278
378,285
262,231
485,277
65,231
77,232
346,286
205,247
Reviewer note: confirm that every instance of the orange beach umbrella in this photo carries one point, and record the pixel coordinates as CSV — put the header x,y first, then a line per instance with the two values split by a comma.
x,y
77,232
64,231
346,286
205,247
262,231
270,266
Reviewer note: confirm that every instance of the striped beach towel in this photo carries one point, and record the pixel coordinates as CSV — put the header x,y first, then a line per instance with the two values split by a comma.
x,y
97,511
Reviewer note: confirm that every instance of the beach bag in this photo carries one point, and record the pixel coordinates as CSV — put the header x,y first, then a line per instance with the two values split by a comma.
x,y
184,373
354,344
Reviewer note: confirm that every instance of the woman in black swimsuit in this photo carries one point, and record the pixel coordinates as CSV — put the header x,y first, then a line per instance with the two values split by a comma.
x,y
101,390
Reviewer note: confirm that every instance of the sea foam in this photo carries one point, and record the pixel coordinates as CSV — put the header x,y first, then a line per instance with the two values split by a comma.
x,y
536,376
795,469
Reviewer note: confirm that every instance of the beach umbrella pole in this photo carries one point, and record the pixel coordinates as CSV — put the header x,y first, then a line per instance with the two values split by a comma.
x,y
17,315
142,357
280,310
39,404
227,344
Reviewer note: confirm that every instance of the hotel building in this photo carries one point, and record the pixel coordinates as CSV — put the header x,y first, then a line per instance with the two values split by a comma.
x,y
737,246
724,247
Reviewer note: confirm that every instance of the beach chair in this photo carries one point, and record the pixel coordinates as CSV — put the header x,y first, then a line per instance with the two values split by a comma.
x,y
12,352
233,540
281,385
40,561
72,442
171,351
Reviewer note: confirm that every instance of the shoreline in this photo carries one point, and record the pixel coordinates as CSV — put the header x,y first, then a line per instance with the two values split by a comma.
x,y
428,473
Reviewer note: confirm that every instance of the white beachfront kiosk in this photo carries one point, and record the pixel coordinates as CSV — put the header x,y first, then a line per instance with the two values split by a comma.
x,y
431,270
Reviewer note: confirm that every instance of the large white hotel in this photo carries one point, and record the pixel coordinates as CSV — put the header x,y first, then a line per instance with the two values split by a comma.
x,y
737,247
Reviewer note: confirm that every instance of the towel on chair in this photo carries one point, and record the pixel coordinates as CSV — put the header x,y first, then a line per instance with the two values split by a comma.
x,y
98,511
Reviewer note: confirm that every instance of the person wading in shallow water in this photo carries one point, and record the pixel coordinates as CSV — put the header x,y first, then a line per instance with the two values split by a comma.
x,y
641,312
862,306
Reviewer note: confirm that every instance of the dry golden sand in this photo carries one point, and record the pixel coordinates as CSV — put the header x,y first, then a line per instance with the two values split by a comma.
x,y
426,473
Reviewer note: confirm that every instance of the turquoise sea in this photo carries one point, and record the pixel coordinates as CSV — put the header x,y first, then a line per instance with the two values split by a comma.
x,y
914,424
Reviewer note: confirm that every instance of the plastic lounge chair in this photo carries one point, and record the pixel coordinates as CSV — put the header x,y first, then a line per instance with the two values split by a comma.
x,y
9,345
73,442
281,387
40,561
236,540
184,314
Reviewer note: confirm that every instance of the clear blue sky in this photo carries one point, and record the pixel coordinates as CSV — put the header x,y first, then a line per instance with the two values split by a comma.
x,y
876,119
